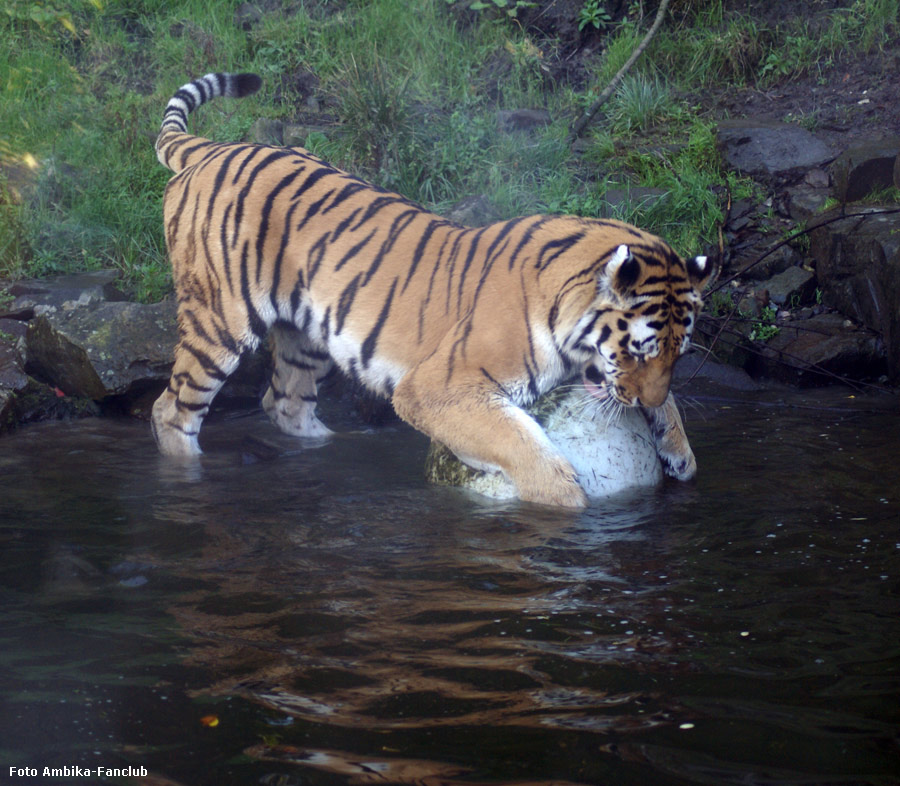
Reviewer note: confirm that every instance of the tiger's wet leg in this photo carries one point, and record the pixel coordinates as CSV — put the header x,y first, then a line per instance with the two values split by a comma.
x,y
671,440
489,432
291,398
178,413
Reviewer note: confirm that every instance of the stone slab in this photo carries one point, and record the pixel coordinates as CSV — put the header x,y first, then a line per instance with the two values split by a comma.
x,y
865,168
769,150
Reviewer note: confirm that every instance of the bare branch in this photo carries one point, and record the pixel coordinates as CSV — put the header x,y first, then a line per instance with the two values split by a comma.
x,y
586,118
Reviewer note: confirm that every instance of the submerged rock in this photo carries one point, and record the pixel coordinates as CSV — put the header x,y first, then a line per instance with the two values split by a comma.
x,y
609,456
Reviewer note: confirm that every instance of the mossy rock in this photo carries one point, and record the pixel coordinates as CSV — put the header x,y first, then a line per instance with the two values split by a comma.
x,y
609,455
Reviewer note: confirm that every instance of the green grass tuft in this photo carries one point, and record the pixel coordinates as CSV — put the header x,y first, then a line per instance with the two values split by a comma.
x,y
409,92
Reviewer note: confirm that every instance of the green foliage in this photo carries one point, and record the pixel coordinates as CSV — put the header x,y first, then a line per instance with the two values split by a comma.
x,y
48,15
883,196
765,328
14,250
640,103
689,175
618,50
593,13
719,303
712,46
375,113
713,51
510,8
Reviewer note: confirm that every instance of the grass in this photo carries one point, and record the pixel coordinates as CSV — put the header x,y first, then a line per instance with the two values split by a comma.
x,y
411,87
710,47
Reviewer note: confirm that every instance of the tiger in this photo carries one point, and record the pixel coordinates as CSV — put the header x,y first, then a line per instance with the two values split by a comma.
x,y
459,327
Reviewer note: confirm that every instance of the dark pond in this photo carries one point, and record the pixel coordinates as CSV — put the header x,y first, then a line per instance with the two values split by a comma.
x,y
324,617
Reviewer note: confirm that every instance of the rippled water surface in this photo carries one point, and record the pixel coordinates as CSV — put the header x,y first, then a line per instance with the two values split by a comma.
x,y
319,615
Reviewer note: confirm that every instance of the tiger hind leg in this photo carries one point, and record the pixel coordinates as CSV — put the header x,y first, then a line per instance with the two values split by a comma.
x,y
291,398
178,413
672,444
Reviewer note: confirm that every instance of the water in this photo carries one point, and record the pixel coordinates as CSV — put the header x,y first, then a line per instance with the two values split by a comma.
x,y
322,616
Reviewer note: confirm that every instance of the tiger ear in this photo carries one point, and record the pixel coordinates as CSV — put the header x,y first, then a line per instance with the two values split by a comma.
x,y
621,272
699,270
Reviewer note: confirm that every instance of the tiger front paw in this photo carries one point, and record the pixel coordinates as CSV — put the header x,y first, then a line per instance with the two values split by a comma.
x,y
678,465
567,496
672,446
556,487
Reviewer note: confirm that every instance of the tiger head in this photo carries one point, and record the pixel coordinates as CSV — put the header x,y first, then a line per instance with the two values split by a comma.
x,y
641,323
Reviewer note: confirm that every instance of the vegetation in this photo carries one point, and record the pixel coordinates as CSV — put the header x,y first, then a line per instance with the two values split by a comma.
x,y
407,92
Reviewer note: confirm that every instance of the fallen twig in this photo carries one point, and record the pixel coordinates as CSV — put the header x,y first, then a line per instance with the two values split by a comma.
x,y
592,110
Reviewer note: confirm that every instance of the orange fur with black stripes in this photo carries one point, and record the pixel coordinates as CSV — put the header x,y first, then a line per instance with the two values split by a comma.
x,y
461,327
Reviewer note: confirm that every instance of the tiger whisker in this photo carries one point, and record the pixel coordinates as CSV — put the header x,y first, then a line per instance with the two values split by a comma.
x,y
685,402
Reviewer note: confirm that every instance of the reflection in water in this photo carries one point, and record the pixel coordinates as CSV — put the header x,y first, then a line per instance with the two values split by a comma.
x,y
341,622
367,769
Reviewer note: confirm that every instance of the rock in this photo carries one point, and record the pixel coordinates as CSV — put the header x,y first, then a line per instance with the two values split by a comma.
x,y
13,379
699,365
897,172
817,178
732,346
474,211
791,287
858,271
12,371
39,296
22,398
295,135
8,417
103,349
247,16
510,120
609,457
38,402
121,354
805,202
770,151
810,352
865,168
752,260
751,237
266,131
619,199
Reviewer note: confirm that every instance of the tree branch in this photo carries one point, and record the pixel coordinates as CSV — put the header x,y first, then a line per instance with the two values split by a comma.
x,y
586,118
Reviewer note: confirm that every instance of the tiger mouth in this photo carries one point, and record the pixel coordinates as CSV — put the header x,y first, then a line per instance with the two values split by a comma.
x,y
595,383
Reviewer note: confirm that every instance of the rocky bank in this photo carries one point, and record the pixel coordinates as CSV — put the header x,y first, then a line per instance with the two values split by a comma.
x,y
808,289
